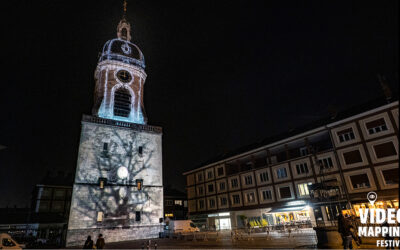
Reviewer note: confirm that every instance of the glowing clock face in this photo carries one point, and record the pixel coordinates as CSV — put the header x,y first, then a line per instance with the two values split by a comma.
x,y
124,76
122,172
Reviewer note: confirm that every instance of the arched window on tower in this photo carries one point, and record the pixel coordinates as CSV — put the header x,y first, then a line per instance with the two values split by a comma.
x,y
122,102
124,33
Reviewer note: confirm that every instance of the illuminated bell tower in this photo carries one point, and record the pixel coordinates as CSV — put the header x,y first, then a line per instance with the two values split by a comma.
x,y
118,186
120,77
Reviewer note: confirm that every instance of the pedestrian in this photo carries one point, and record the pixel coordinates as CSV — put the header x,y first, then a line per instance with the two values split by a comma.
x,y
348,231
88,243
341,223
100,243
355,224
155,245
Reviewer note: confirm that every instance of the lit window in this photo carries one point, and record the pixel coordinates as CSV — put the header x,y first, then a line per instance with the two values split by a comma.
x,y
346,135
100,216
102,182
303,189
178,202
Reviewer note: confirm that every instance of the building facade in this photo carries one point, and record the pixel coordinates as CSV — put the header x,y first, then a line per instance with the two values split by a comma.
x,y
118,186
175,204
304,178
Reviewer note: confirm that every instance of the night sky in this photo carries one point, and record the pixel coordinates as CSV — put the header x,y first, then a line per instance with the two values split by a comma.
x,y
221,74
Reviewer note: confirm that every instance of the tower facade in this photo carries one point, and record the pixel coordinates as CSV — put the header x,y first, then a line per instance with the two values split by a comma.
x,y
118,188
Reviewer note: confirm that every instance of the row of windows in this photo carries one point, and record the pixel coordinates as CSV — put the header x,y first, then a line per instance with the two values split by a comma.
x,y
351,158
101,215
250,197
357,181
371,127
173,202
210,174
106,147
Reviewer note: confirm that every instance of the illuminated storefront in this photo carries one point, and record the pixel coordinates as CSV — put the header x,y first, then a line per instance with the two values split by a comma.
x,y
378,204
291,215
220,221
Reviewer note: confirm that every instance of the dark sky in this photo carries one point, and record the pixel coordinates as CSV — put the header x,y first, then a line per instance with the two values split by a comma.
x,y
221,74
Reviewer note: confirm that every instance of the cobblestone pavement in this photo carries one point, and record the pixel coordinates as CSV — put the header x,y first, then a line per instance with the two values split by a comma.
x,y
304,238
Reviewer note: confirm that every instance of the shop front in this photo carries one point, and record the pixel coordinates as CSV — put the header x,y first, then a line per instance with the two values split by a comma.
x,y
384,204
219,221
289,215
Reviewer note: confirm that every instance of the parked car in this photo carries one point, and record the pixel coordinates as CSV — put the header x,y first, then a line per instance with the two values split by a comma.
x,y
6,242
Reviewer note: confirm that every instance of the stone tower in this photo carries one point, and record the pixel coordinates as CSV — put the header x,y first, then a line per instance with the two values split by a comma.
x,y
118,188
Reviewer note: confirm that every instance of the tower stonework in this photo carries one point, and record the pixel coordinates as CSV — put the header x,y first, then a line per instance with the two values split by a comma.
x,y
118,188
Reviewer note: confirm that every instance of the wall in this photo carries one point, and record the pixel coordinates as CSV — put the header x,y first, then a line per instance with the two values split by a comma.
x,y
121,164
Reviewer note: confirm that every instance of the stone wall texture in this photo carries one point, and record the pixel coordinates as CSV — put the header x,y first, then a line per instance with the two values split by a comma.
x,y
119,156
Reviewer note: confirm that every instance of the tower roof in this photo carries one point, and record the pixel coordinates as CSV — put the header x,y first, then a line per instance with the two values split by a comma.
x,y
122,50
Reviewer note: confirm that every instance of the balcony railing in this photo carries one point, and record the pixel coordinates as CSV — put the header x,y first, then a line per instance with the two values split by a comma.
x,y
141,127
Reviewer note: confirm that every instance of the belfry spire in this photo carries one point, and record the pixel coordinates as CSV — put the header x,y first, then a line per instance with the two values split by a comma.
x,y
124,28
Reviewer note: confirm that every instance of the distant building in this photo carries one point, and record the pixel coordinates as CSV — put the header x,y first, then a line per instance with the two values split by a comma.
x,y
48,215
307,176
175,204
51,201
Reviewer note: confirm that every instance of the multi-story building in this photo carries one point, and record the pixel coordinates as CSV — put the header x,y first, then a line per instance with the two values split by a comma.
x,y
308,175
175,204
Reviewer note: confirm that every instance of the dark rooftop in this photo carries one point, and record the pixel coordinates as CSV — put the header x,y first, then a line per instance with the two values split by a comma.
x,y
333,117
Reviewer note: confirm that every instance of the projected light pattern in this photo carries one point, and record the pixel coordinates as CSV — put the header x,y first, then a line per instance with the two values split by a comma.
x,y
107,83
120,200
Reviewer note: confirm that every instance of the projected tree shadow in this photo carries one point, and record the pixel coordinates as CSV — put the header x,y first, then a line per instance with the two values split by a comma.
x,y
118,203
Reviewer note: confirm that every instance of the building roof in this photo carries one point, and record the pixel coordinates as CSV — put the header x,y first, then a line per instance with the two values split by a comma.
x,y
329,119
